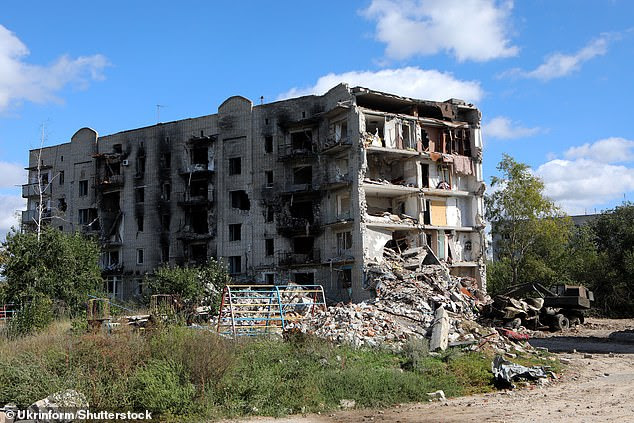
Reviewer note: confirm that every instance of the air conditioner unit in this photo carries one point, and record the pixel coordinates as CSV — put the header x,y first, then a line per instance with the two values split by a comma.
x,y
125,162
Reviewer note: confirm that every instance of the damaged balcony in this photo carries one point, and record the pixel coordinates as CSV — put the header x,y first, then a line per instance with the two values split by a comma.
x,y
290,226
33,190
30,217
290,259
197,169
196,225
202,139
300,145
300,182
336,181
337,139
112,181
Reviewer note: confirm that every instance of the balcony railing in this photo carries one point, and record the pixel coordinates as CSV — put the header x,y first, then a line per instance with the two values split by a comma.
x,y
33,190
31,216
111,181
336,181
187,199
288,151
288,225
197,168
296,259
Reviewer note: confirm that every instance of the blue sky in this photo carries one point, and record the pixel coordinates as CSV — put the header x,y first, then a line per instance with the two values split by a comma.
x,y
553,79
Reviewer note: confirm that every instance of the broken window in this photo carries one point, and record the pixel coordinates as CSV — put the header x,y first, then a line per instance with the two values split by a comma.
x,y
235,232
302,140
269,246
303,175
303,245
269,214
140,256
424,170
83,188
240,200
165,222
198,252
61,177
61,204
198,220
200,156
269,178
111,286
235,265
303,210
268,144
269,278
444,174
139,223
235,166
84,216
165,160
139,195
117,148
198,188
139,287
343,204
165,253
344,241
166,192
140,165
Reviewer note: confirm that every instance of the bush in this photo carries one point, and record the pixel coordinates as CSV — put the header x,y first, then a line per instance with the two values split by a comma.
x,y
34,316
162,387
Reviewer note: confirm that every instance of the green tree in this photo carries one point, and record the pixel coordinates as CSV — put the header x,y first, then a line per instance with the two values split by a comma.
x,y
532,232
613,271
62,267
196,285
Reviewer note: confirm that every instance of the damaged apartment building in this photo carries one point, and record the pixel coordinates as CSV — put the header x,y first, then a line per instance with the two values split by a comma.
x,y
305,190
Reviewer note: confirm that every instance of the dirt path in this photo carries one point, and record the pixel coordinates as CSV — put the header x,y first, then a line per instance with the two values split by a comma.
x,y
596,388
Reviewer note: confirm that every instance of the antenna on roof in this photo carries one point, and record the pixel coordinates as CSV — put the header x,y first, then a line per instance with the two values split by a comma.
x,y
158,113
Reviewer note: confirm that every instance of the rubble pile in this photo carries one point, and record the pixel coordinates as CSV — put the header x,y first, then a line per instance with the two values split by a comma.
x,y
410,290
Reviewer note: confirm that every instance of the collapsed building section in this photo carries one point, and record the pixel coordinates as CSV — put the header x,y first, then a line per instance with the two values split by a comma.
x,y
316,189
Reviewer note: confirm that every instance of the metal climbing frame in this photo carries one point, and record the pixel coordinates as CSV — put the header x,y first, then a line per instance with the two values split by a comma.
x,y
252,310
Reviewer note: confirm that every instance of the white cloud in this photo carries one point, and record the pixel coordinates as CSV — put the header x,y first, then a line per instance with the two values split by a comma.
x,y
21,81
589,177
10,205
608,150
503,128
558,65
470,29
13,175
409,82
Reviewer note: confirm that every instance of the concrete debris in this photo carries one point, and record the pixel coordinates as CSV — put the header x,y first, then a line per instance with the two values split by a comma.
x,y
505,372
440,330
412,300
347,404
437,395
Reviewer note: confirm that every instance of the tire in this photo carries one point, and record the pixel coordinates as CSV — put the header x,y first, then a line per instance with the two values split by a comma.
x,y
560,323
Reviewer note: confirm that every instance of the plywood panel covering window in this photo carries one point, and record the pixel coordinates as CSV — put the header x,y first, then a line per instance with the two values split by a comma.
x,y
438,213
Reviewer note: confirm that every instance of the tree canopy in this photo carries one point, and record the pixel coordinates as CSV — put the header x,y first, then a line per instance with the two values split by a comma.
x,y
531,230
63,267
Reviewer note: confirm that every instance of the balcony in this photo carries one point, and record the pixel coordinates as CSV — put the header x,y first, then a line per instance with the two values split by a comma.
x,y
337,181
202,139
112,181
197,169
286,259
33,190
289,151
29,217
186,199
336,144
289,226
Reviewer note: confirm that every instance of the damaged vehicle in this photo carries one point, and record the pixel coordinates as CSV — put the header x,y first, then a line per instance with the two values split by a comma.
x,y
536,307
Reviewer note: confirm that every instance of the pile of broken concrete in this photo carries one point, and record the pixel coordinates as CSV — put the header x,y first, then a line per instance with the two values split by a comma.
x,y
413,300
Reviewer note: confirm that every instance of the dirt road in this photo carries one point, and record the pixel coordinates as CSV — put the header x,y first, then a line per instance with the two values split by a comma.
x,y
597,387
